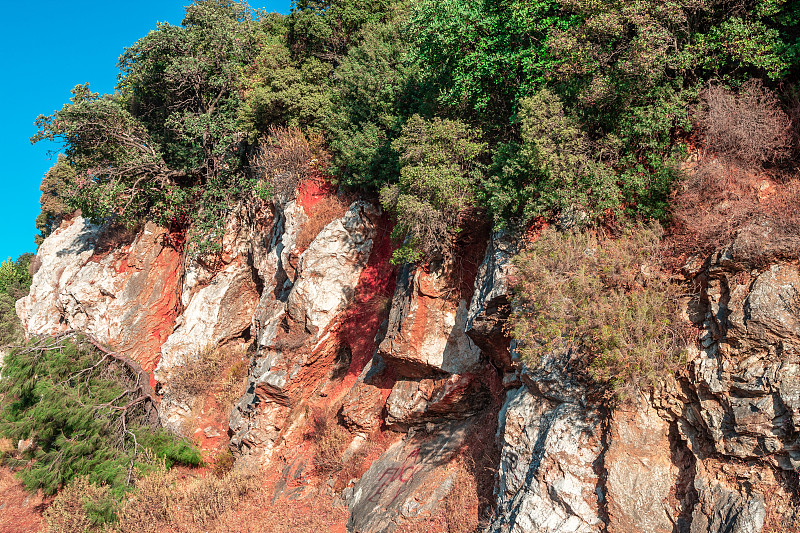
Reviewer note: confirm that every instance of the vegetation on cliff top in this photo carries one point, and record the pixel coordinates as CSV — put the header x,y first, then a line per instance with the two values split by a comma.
x,y
578,105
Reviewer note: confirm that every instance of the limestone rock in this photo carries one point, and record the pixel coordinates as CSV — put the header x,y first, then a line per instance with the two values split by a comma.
x,y
490,306
426,330
127,298
547,481
329,269
218,312
406,482
292,322
640,473
722,509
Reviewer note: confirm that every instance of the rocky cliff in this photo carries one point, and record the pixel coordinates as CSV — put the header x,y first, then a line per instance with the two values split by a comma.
x,y
412,370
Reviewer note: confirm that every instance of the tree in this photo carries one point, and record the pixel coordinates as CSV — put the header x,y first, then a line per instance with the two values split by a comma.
x,y
167,146
88,411
440,166
326,29
56,187
376,90
485,55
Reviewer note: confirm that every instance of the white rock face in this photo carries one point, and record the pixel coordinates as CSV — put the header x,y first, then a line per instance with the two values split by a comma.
x,y
126,298
322,286
547,480
63,254
329,269
216,313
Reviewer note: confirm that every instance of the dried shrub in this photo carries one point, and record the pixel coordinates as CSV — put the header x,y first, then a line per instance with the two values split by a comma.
x,y
164,502
748,126
282,160
720,198
223,463
330,441
151,506
208,497
82,507
221,370
233,385
325,211
603,300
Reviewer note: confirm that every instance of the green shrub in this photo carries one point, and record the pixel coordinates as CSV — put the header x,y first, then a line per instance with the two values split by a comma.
x,y
440,167
85,414
604,299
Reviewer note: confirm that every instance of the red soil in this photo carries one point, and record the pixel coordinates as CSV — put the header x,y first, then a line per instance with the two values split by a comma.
x,y
20,511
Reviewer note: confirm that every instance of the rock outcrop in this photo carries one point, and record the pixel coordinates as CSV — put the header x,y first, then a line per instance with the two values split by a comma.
x,y
127,297
408,367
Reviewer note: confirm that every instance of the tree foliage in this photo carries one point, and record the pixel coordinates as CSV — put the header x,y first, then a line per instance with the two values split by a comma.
x,y
84,412
439,170
15,280
584,105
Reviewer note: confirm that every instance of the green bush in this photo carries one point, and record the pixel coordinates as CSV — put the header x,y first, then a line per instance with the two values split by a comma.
x,y
84,413
440,161
602,298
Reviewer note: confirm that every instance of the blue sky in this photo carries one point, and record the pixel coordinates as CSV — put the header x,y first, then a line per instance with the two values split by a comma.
x,y
46,48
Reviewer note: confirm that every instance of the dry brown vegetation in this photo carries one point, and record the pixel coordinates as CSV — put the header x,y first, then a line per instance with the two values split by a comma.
x,y
218,370
739,179
164,502
325,211
748,126
330,441
282,160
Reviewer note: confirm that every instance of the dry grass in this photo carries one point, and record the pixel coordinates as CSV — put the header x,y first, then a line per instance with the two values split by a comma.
x,y
218,370
165,502
325,211
68,512
330,441
233,383
461,506
282,160
223,463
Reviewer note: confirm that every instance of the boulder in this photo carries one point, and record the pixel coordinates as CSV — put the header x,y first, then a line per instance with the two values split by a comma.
x,y
426,334
490,306
406,482
547,481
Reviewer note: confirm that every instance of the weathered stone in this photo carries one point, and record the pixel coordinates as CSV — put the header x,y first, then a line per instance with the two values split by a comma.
x,y
490,306
127,298
406,482
216,313
292,328
417,401
547,482
426,329
722,509
640,473
329,269
773,304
